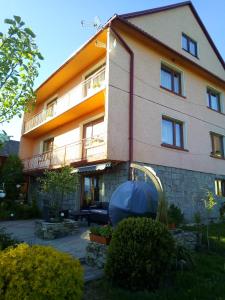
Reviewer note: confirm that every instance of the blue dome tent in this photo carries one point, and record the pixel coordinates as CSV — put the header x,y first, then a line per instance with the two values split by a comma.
x,y
136,198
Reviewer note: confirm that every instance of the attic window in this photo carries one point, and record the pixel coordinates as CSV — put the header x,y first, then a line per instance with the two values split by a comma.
x,y
189,45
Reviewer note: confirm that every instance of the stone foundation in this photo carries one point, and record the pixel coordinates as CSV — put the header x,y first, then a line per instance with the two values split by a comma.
x,y
51,231
187,239
184,188
96,255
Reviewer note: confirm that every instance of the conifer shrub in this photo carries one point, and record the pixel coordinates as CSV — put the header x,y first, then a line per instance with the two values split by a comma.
x,y
39,273
140,253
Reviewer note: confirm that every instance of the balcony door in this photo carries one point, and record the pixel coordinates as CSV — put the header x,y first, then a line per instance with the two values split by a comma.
x,y
93,139
51,108
94,80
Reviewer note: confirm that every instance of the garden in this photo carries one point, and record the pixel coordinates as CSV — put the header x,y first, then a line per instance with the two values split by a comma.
x,y
142,258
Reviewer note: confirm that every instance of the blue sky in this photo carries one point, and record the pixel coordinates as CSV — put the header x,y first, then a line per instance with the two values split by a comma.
x,y
57,24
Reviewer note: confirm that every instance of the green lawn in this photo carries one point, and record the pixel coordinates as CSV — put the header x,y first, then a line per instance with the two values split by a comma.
x,y
205,281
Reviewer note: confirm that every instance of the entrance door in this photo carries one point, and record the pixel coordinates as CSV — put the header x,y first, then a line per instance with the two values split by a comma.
x,y
90,191
93,139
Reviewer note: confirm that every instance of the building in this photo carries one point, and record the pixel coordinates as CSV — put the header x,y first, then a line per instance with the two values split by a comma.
x,y
9,148
149,87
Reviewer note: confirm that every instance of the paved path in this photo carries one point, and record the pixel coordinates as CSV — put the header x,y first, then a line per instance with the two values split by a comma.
x,y
24,231
75,244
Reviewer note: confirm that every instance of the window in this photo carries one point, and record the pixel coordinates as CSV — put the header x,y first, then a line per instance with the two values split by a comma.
x,y
189,45
48,145
220,187
171,79
214,100
217,145
172,133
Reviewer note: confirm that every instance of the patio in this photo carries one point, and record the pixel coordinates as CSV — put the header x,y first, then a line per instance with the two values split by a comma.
x,y
73,244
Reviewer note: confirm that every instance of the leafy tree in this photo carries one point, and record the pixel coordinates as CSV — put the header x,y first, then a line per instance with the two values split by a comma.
x,y
19,63
3,138
56,185
11,176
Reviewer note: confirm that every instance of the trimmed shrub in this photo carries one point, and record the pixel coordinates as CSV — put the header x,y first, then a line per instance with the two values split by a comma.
x,y
140,253
39,273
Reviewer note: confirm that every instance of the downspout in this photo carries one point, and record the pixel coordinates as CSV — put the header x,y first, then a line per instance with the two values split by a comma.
x,y
131,96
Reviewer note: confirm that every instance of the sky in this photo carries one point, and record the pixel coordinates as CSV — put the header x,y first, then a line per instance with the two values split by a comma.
x,y
57,25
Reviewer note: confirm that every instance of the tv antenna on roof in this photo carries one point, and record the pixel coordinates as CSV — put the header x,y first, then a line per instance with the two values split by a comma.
x,y
96,24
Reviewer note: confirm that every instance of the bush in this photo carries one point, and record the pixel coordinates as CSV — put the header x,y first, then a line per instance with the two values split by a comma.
x,y
39,273
175,215
19,210
6,240
11,175
140,253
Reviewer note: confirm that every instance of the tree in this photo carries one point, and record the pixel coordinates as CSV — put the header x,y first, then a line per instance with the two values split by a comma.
x,y
209,202
56,185
19,64
3,138
12,176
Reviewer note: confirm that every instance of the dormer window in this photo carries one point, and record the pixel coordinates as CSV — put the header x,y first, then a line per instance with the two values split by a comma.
x,y
189,45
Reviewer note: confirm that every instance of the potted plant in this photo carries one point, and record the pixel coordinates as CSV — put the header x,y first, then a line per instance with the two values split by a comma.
x,y
175,216
101,234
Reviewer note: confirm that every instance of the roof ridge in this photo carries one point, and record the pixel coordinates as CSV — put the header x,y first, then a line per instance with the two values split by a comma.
x,y
172,6
154,10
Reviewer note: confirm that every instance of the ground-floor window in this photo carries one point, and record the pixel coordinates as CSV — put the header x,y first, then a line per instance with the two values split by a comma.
x,y
220,187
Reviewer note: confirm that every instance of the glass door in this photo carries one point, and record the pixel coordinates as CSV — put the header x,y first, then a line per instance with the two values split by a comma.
x,y
90,191
93,139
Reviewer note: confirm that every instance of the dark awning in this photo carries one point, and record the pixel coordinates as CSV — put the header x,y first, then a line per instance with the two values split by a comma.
x,y
92,168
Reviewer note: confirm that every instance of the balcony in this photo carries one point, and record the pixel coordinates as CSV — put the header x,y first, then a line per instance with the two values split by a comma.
x,y
86,150
82,99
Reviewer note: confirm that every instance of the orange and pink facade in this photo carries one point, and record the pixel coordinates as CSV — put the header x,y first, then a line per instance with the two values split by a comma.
x,y
149,87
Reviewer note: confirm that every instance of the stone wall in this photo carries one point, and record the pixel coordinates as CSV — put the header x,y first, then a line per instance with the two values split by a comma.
x,y
51,231
186,189
111,179
96,255
71,201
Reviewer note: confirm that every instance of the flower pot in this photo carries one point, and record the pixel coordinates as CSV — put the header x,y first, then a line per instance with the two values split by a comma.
x,y
99,239
172,226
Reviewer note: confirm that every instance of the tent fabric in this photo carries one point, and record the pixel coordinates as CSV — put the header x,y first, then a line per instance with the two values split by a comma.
x,y
133,198
92,168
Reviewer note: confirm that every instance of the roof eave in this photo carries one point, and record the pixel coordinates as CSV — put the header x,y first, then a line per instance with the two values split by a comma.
x,y
139,30
177,5
76,52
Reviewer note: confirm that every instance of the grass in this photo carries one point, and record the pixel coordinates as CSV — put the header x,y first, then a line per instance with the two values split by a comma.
x,y
205,282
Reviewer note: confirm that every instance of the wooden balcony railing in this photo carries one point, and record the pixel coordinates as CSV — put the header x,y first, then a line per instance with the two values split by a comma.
x,y
90,149
79,93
